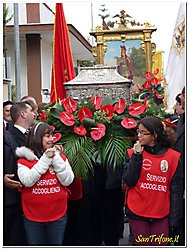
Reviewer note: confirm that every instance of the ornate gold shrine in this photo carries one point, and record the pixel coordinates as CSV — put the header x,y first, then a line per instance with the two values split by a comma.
x,y
127,29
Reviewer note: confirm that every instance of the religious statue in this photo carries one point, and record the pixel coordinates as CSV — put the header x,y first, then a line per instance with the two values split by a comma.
x,y
125,65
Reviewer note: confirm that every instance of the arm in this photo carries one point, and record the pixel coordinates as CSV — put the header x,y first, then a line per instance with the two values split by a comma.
x,y
132,170
29,177
176,197
63,170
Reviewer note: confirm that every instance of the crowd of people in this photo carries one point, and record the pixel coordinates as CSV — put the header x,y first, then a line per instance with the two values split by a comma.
x,y
45,204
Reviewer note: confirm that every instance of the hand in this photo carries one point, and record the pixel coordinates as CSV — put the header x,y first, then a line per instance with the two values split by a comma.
x,y
137,148
9,183
59,148
50,152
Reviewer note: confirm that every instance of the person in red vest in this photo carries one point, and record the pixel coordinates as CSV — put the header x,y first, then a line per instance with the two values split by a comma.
x,y
45,174
153,179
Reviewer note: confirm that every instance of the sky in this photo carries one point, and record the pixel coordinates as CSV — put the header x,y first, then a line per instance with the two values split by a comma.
x,y
162,14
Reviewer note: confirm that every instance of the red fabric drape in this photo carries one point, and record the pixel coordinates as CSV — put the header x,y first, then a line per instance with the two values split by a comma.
x,y
62,67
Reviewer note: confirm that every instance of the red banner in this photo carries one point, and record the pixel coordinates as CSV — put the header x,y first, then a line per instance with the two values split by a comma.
x,y
62,67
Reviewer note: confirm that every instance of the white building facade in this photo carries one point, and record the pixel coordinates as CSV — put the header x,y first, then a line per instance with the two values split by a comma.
x,y
36,21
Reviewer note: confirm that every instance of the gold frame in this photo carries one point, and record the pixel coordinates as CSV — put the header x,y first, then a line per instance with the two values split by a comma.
x,y
123,33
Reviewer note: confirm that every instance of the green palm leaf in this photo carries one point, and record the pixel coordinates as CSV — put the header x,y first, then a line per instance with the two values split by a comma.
x,y
113,152
79,151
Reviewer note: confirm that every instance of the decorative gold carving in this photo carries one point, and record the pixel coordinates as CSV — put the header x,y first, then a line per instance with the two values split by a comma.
x,y
126,29
147,36
143,46
123,37
94,51
124,18
153,48
98,28
105,47
100,39
148,25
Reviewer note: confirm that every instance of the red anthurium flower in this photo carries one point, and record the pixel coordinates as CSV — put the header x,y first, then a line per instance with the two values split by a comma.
x,y
98,132
129,123
136,109
147,84
84,112
120,106
69,105
56,137
102,128
139,87
148,75
67,118
97,102
159,96
43,116
80,130
53,127
109,109
156,71
154,82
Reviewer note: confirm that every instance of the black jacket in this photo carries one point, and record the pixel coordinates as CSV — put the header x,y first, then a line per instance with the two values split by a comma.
x,y
11,139
107,177
11,196
19,137
180,143
132,173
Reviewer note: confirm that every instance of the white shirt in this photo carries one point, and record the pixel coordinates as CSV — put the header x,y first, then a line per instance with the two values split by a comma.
x,y
22,129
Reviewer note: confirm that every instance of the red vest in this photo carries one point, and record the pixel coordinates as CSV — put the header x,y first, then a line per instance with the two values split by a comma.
x,y
151,195
46,200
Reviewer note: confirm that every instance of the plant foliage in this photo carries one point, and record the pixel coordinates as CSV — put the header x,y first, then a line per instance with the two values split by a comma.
x,y
101,130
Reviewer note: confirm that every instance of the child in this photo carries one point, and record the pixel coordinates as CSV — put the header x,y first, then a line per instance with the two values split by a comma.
x,y
44,172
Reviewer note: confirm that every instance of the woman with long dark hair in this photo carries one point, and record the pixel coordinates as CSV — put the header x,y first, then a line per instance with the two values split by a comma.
x,y
45,174
154,185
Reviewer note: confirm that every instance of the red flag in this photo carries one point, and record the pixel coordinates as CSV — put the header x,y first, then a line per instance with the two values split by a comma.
x,y
62,67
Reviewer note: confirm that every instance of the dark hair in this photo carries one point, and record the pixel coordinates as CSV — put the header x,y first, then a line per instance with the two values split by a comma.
x,y
183,90
178,98
35,137
155,126
8,102
16,110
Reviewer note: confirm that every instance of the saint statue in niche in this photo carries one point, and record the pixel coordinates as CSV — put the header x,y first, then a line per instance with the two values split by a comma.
x,y
125,65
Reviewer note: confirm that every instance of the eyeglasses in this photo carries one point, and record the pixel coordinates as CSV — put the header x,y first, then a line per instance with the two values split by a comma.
x,y
143,133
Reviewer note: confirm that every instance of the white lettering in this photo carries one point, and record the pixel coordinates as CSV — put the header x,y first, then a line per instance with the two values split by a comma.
x,y
45,191
155,178
155,187
47,182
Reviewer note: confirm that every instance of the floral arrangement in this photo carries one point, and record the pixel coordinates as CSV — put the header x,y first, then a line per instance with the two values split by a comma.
x,y
101,130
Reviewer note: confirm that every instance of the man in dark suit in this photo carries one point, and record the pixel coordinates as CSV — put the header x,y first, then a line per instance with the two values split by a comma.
x,y
23,117
180,147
